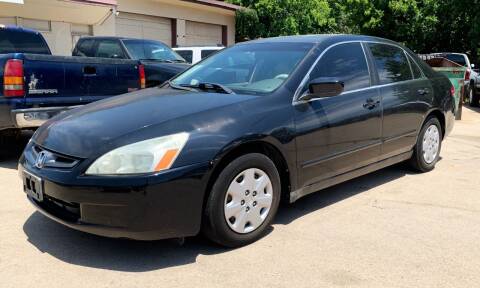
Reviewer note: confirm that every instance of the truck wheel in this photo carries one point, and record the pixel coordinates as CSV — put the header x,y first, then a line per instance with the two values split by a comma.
x,y
473,98
243,201
429,143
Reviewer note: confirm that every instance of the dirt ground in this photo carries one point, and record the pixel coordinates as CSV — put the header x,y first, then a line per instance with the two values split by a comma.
x,y
392,228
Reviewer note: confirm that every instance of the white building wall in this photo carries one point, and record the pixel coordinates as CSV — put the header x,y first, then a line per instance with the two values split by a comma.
x,y
61,14
59,39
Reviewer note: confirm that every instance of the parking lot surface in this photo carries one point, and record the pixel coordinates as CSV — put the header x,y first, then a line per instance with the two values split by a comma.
x,y
392,228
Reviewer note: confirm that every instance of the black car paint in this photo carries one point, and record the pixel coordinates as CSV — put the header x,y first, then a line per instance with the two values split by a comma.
x,y
321,143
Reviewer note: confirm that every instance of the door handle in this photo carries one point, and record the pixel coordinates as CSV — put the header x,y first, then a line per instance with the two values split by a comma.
x,y
89,71
423,91
371,104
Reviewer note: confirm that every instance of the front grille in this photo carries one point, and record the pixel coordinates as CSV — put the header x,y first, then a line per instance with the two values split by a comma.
x,y
52,159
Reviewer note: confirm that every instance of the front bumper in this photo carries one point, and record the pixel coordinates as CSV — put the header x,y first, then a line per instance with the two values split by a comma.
x,y
166,205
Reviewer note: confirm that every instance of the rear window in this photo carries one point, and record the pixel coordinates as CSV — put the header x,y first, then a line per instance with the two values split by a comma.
x,y
151,50
460,59
206,53
110,49
84,48
186,54
17,41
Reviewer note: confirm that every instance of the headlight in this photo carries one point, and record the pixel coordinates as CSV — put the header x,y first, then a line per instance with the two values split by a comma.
x,y
147,156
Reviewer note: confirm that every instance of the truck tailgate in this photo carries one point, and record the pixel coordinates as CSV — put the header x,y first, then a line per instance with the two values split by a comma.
x,y
63,81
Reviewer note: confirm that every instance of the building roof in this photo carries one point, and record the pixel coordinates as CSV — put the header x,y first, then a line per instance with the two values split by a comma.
x,y
216,3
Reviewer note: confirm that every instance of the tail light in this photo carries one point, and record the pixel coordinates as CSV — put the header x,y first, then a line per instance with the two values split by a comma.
x,y
452,91
143,80
13,83
467,75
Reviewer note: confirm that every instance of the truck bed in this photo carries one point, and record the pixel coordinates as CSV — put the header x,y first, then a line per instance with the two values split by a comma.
x,y
53,84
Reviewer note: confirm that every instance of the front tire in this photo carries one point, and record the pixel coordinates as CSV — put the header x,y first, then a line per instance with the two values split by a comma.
x,y
243,201
428,146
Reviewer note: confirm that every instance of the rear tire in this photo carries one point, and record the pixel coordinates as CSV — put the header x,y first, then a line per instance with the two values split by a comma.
x,y
233,217
427,149
473,97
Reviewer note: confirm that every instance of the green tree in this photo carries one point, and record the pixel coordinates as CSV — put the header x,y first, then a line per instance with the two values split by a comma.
x,y
269,18
423,25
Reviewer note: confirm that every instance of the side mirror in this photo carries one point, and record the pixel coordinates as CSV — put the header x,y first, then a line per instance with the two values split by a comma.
x,y
472,65
323,87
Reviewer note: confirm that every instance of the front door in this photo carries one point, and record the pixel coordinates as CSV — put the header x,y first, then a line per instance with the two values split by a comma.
x,y
341,133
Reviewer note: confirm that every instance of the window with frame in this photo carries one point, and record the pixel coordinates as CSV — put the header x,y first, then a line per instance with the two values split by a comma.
x,y
206,53
186,54
84,48
109,49
346,63
391,63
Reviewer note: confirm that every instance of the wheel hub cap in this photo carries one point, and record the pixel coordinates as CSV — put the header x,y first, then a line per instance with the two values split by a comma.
x,y
248,200
431,143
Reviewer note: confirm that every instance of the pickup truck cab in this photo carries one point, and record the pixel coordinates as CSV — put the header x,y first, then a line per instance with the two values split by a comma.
x,y
35,86
160,61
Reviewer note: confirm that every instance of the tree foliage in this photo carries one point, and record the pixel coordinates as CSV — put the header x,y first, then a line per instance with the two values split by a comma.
x,y
423,25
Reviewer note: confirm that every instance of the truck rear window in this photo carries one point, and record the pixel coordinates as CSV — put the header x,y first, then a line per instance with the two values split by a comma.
x,y
18,41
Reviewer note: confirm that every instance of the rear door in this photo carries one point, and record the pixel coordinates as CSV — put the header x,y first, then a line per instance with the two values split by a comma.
x,y
402,95
341,133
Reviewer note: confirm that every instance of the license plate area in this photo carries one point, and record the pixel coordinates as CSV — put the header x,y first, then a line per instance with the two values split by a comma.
x,y
33,186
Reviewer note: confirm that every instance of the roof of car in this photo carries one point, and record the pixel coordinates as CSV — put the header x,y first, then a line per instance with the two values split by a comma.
x,y
321,38
116,38
17,28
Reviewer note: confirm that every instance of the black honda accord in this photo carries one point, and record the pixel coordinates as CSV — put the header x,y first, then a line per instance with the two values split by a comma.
x,y
218,147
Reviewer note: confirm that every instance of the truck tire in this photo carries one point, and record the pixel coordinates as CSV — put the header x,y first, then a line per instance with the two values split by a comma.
x,y
473,97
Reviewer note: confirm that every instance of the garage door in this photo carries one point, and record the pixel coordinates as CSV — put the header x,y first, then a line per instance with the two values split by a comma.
x,y
202,34
144,27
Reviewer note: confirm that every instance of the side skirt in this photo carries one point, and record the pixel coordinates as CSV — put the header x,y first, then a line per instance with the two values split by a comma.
x,y
297,194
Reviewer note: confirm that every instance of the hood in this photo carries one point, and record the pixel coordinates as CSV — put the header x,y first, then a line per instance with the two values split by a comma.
x,y
90,128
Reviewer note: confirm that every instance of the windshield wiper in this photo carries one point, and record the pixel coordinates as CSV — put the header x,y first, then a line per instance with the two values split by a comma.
x,y
181,87
205,86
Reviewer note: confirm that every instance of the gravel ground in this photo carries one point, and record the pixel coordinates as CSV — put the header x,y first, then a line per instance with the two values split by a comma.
x,y
392,228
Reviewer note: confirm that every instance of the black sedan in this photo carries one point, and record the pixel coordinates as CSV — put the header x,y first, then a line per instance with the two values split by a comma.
x,y
217,148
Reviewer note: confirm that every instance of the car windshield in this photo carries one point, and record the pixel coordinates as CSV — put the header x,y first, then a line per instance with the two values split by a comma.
x,y
151,50
257,68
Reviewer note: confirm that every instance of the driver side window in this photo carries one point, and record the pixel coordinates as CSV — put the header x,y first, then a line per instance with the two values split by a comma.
x,y
345,62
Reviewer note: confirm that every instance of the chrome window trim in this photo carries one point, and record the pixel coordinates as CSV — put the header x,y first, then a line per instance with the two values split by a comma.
x,y
295,100
409,64
410,59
